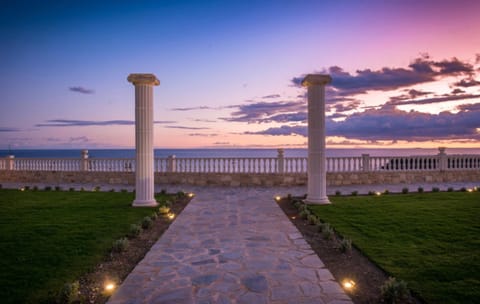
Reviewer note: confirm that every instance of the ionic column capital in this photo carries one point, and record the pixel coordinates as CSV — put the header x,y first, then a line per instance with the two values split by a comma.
x,y
148,79
316,79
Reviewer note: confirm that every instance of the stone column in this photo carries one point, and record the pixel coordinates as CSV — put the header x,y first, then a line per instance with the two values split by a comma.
x,y
317,178
172,163
144,177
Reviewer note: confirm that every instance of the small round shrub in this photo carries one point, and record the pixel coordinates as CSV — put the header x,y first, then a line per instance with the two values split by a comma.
x,y
112,190
26,188
312,219
450,189
371,192
354,193
345,245
420,190
96,189
35,188
386,192
58,188
405,190
304,214
463,189
394,291
47,188
134,230
120,245
154,216
71,189
124,191
338,193
69,293
147,222
322,226
435,189
327,233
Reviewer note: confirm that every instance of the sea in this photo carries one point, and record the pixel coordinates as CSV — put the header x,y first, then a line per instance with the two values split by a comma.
x,y
220,153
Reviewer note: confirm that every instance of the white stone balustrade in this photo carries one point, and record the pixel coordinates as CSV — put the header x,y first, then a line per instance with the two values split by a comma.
x,y
261,165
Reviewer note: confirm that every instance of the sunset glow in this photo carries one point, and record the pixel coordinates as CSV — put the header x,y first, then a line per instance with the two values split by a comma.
x,y
406,74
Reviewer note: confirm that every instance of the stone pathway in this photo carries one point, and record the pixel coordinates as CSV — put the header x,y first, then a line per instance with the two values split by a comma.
x,y
231,245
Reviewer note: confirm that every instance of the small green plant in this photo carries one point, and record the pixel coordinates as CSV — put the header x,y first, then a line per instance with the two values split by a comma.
x,y
289,196
435,189
312,219
405,190
124,191
96,189
371,192
322,226
338,193
354,193
345,245
163,192
58,188
394,291
304,214
69,293
181,194
154,216
71,189
297,204
47,188
112,190
1,186
147,222
450,189
420,190
386,192
120,245
35,188
26,188
134,230
328,232
82,189
463,189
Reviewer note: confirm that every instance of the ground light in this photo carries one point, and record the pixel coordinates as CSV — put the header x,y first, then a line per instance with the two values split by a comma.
x,y
278,198
348,284
470,190
109,287
378,193
171,216
191,194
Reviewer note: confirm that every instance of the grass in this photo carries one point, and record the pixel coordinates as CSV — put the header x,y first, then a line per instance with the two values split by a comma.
x,y
429,240
51,238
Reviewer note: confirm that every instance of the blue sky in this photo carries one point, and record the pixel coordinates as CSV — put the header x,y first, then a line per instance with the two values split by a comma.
x,y
405,73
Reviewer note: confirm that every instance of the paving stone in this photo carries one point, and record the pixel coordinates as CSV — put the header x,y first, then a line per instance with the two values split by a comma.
x,y
252,298
205,279
285,293
310,290
256,283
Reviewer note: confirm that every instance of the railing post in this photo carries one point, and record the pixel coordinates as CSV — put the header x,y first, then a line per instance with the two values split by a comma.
x,y
10,165
280,161
172,163
442,159
366,162
84,161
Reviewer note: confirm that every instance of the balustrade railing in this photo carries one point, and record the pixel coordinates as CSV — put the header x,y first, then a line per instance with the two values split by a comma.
x,y
265,165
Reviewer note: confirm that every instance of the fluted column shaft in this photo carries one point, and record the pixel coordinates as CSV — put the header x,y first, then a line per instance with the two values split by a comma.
x,y
317,173
144,173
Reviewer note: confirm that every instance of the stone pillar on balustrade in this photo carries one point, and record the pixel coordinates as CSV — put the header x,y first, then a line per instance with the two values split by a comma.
x,y
442,159
172,163
280,161
144,157
84,160
10,164
317,173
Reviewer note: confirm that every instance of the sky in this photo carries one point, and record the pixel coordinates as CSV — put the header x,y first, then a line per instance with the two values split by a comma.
x,y
406,73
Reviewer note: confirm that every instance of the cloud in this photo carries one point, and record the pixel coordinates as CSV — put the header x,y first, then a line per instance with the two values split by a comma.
x,y
194,108
203,120
421,70
186,128
444,98
222,143
86,123
465,83
5,129
81,90
458,91
202,135
264,111
271,96
80,139
389,123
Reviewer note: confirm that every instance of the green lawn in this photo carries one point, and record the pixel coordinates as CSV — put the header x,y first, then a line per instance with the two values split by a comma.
x,y
429,240
50,238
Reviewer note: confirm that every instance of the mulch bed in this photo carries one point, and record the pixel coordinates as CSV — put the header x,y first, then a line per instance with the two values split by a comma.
x,y
117,265
352,265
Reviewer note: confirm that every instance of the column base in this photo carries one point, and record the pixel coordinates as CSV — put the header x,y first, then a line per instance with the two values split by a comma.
x,y
144,203
317,201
